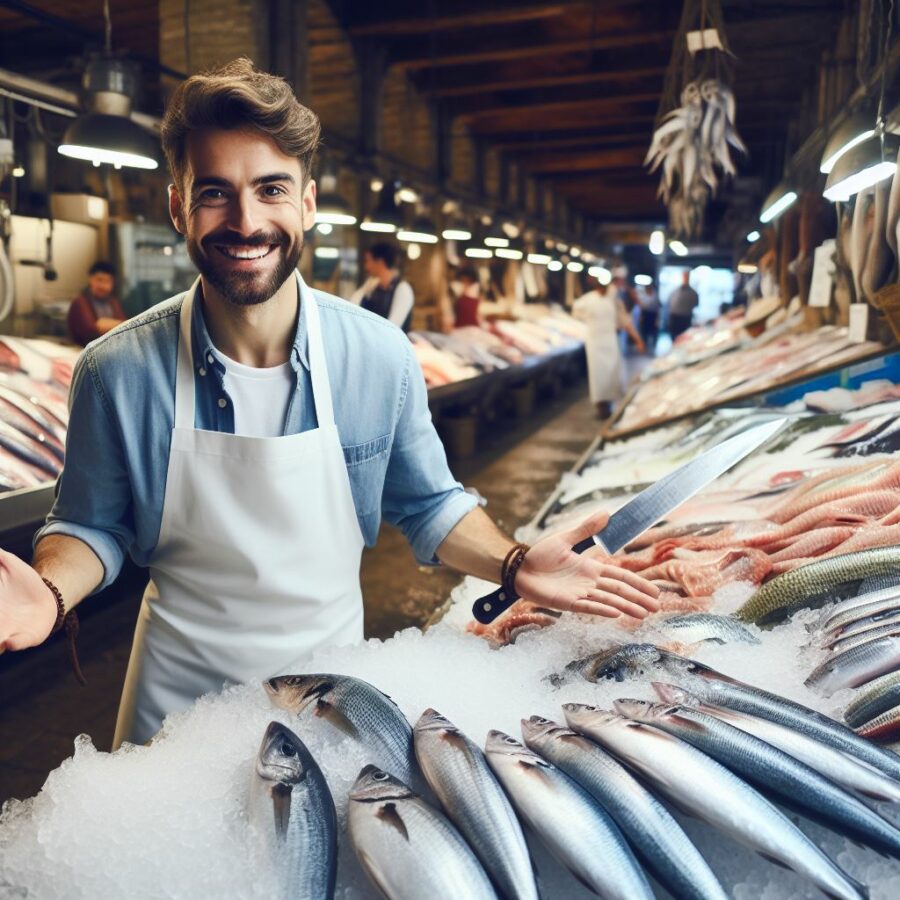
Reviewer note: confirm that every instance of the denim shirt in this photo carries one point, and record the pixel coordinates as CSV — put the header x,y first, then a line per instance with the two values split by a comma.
x,y
122,409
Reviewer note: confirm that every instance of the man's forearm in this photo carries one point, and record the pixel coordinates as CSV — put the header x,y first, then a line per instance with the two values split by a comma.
x,y
475,546
70,564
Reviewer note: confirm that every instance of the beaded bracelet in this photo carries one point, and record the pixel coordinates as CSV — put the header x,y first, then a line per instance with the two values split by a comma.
x,y
511,565
70,620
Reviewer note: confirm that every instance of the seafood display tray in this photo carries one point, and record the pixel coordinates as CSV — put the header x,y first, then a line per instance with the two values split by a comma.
x,y
611,431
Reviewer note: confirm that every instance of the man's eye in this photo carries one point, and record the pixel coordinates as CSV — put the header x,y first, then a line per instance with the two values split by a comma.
x,y
272,190
212,194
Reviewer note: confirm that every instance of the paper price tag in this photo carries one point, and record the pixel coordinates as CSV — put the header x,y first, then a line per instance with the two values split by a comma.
x,y
708,39
859,322
822,284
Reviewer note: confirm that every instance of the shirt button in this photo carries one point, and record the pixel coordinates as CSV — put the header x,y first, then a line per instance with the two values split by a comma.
x,y
209,358
202,371
222,403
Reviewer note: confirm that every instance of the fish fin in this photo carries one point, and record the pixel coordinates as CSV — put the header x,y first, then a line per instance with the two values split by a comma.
x,y
389,815
281,808
772,859
331,714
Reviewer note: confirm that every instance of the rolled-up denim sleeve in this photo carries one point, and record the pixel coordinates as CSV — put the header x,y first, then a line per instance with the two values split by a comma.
x,y
421,496
93,494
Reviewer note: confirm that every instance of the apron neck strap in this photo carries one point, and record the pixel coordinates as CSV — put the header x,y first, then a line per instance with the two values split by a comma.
x,y
184,369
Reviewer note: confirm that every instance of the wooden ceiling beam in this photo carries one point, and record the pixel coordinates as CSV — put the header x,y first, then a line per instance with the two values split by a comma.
x,y
561,106
460,22
618,158
749,34
523,84
546,48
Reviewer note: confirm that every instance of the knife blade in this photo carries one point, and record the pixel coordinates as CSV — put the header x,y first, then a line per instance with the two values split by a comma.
x,y
647,508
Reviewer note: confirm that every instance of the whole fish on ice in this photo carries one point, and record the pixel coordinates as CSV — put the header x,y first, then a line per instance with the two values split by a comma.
x,y
407,848
657,838
355,708
697,783
298,812
461,779
575,828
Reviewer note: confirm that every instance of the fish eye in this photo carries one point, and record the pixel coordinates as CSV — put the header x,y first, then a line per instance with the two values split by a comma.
x,y
380,776
510,740
288,749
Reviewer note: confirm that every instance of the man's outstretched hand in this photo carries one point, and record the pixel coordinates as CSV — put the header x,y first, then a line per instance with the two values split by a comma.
x,y
554,576
27,606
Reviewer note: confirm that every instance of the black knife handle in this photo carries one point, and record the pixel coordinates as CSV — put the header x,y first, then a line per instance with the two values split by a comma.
x,y
492,605
487,608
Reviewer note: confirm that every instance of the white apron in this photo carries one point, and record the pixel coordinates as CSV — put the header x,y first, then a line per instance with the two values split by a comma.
x,y
603,316
257,563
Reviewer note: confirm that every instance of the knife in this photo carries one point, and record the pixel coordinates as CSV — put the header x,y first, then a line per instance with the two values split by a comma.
x,y
653,504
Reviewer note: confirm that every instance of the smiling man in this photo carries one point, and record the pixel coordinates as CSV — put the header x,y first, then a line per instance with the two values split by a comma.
x,y
243,440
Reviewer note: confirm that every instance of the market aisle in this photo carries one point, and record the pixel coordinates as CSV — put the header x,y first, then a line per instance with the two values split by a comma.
x,y
44,709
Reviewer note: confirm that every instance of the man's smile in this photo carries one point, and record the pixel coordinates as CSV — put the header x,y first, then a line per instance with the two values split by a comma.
x,y
244,252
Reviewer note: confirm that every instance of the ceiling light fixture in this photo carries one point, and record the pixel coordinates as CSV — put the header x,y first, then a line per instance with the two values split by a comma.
x,y
858,128
868,163
777,202
479,253
753,237
106,132
657,242
385,218
678,248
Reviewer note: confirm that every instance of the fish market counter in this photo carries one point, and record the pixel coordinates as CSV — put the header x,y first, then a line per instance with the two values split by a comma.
x,y
735,375
470,760
563,363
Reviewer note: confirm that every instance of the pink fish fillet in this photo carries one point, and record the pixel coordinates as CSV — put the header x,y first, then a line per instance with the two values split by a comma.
x,y
821,540
846,511
865,538
878,478
521,616
700,579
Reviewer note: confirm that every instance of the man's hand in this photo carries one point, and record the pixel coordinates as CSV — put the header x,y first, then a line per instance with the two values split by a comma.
x,y
27,606
552,575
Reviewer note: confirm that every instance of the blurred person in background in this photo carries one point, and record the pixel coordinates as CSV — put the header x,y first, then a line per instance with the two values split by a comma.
x,y
96,309
385,293
466,308
605,315
649,303
682,303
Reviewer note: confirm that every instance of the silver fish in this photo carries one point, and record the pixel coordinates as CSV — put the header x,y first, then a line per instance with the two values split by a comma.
x,y
576,830
692,628
879,582
840,767
876,698
809,585
407,848
461,779
300,815
856,666
656,837
770,770
864,636
860,607
355,708
648,661
866,625
884,728
697,783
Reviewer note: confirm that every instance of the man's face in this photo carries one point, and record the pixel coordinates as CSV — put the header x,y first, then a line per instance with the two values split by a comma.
x,y
242,209
101,284
374,267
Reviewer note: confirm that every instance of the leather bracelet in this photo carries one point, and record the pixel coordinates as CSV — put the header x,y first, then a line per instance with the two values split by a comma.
x,y
511,565
70,621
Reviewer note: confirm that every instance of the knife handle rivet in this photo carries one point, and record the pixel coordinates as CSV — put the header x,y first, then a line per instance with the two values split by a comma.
x,y
487,607
501,596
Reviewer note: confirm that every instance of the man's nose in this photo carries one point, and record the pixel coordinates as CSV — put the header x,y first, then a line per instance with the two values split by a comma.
x,y
241,216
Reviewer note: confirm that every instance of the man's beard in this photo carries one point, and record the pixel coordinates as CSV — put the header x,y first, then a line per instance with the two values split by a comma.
x,y
245,288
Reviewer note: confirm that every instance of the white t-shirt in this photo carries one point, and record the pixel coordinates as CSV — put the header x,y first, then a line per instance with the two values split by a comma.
x,y
260,396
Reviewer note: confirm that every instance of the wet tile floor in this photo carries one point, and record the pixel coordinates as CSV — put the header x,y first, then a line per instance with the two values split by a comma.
x,y
43,708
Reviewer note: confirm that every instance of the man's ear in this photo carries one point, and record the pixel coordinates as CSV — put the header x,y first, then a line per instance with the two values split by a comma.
x,y
309,205
176,210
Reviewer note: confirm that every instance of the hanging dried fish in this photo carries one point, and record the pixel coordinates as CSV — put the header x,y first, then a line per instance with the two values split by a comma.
x,y
692,144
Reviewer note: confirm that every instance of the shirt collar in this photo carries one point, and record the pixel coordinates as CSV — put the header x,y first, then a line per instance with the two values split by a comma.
x,y
200,333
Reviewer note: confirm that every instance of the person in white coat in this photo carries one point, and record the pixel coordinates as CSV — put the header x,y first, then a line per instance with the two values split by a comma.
x,y
245,438
606,316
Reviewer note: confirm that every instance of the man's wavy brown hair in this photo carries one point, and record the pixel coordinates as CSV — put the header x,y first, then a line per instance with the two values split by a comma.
x,y
236,96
